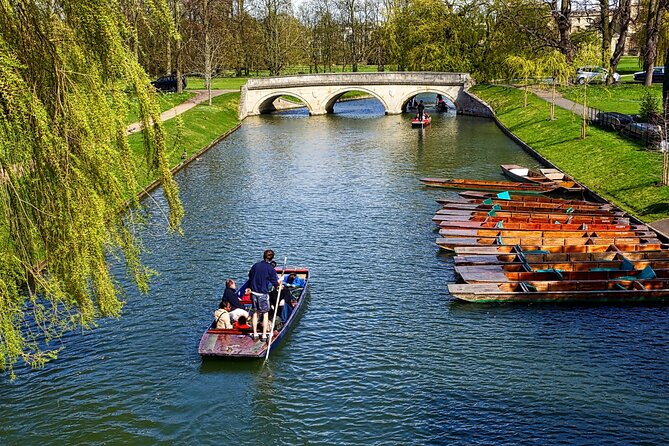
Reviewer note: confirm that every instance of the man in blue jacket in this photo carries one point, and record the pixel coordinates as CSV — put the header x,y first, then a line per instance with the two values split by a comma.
x,y
261,276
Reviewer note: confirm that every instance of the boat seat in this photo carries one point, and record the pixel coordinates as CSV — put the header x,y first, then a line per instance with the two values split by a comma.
x,y
527,287
647,273
557,272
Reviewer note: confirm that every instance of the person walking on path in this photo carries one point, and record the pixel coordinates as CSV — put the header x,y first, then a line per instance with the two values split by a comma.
x,y
261,276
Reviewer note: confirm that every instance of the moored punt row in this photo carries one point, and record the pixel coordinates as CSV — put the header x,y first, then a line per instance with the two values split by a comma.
x,y
540,249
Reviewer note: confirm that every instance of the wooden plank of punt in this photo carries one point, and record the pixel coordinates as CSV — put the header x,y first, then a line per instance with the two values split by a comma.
x,y
523,174
494,233
615,291
553,258
484,185
528,210
478,195
522,226
508,249
522,204
487,273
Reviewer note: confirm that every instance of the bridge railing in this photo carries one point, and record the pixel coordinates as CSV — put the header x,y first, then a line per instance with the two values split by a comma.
x,y
385,78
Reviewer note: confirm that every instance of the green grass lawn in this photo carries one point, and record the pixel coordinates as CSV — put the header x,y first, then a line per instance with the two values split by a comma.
x,y
616,168
623,97
628,65
217,83
166,101
202,125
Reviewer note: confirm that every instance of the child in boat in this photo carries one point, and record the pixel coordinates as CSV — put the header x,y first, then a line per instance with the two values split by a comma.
x,y
246,297
241,324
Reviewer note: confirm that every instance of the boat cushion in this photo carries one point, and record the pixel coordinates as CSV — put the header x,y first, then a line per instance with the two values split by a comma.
x,y
504,195
626,265
488,201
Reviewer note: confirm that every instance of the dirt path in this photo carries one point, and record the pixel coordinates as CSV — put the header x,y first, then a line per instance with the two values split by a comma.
x,y
200,96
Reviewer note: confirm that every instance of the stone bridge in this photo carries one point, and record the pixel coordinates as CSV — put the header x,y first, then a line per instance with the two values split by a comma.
x,y
319,92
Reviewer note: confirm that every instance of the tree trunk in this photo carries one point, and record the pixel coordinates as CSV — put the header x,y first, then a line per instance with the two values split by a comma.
x,y
649,52
562,17
624,19
607,36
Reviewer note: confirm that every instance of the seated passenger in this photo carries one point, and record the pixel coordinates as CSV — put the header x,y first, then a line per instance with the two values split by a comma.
x,y
230,295
222,316
241,324
287,310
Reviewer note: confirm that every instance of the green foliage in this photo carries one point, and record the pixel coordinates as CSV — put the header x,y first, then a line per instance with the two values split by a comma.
x,y
615,167
649,108
67,170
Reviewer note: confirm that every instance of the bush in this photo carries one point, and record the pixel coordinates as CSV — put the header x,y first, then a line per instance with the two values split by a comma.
x,y
649,109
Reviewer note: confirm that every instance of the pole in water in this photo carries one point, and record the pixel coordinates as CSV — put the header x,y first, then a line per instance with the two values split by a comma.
x,y
276,309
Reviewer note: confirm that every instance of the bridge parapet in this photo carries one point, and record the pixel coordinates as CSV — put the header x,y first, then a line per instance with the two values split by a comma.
x,y
353,79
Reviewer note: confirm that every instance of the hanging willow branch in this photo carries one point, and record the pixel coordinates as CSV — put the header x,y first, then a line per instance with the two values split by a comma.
x,y
66,169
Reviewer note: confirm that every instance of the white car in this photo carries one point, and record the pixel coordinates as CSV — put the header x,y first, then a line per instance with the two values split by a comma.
x,y
593,74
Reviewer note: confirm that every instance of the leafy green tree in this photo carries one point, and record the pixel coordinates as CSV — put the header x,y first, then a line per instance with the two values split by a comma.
x,y
525,68
554,64
66,169
588,55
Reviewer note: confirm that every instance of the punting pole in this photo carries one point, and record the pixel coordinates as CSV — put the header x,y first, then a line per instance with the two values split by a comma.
x,y
276,309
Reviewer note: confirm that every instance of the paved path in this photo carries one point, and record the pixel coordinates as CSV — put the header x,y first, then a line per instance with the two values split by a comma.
x,y
659,225
200,96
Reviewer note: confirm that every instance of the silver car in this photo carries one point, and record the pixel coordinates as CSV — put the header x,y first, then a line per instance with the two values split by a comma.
x,y
593,74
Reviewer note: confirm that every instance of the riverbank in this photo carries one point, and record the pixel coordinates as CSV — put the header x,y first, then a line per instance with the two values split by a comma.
x,y
616,168
203,126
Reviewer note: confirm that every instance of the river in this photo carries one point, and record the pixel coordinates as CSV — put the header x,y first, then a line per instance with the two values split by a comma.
x,y
382,355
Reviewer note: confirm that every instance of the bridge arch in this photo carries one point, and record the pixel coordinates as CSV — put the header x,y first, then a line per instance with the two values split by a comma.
x,y
266,104
444,93
333,98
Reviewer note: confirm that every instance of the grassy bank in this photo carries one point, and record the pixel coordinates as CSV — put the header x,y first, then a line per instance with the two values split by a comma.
x,y
623,98
202,125
614,167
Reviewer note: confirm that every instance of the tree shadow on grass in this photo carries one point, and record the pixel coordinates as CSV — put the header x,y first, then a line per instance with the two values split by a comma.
x,y
656,209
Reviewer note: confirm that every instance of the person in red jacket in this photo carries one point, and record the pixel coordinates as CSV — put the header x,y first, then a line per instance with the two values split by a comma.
x,y
242,324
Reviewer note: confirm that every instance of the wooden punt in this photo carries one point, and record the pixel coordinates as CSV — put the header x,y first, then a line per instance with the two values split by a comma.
x,y
544,176
504,233
609,291
544,258
237,344
520,226
481,195
484,185
562,218
528,218
611,271
527,209
509,249
525,203
450,243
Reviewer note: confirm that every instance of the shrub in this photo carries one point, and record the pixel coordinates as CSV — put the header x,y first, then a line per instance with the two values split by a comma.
x,y
649,109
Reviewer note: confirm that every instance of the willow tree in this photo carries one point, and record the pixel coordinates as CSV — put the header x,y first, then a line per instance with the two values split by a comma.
x,y
66,169
525,68
554,64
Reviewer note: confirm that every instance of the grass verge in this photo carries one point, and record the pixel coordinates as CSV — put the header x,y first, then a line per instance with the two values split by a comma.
x,y
616,168
203,124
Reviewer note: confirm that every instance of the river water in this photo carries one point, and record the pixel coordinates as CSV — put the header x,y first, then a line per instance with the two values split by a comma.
x,y
382,354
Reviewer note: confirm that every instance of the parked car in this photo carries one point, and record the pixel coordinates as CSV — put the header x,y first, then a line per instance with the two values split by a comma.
x,y
593,74
644,131
658,75
613,120
168,83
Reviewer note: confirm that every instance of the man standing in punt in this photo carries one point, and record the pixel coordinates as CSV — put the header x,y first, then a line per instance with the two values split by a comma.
x,y
261,276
